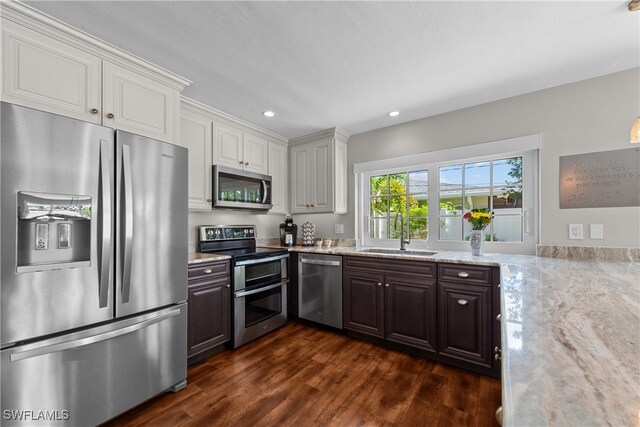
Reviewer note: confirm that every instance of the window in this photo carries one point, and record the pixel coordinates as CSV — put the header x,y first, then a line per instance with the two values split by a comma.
x,y
495,185
500,176
403,193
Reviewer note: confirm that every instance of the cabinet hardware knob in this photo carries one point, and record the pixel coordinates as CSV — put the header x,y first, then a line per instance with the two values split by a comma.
x,y
499,317
497,350
110,116
241,162
209,200
208,271
386,285
312,205
246,163
498,284
379,284
497,357
94,111
228,286
463,274
463,302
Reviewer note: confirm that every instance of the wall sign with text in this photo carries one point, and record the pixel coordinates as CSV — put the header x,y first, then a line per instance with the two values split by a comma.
x,y
600,180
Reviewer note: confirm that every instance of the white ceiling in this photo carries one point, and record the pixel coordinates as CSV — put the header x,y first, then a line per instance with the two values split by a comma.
x,y
347,64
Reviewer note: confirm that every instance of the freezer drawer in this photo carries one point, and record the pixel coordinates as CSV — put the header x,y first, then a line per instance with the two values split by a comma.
x,y
88,377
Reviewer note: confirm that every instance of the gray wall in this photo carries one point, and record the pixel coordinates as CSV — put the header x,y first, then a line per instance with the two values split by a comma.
x,y
592,115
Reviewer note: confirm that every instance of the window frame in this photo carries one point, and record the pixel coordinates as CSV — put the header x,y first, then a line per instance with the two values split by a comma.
x,y
530,202
367,205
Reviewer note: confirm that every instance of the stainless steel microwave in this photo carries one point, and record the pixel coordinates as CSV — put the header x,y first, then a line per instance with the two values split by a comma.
x,y
238,189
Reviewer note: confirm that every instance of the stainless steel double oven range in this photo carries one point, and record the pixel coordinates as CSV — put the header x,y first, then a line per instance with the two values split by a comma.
x,y
259,279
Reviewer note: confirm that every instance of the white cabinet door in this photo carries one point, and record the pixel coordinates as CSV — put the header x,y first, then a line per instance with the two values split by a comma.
x,y
45,74
227,146
340,177
322,176
137,104
300,178
255,153
278,170
197,137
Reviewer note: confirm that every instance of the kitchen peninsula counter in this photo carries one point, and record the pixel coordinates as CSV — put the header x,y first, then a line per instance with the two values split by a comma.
x,y
570,336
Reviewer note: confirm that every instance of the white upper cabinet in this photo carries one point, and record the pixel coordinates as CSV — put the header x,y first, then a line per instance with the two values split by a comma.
x,y
52,67
238,149
319,172
42,73
255,153
278,160
196,136
137,104
228,146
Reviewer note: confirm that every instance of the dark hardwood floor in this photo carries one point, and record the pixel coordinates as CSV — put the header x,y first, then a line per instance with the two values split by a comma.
x,y
300,375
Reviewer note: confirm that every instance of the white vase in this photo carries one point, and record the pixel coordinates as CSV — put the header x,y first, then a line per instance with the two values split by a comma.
x,y
477,242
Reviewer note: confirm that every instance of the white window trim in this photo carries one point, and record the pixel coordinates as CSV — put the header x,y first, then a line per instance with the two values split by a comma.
x,y
526,146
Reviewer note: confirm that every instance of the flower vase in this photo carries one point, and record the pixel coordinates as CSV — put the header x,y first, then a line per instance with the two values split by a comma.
x,y
477,242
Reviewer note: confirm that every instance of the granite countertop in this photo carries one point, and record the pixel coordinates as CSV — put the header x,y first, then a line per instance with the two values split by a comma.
x,y
570,336
198,257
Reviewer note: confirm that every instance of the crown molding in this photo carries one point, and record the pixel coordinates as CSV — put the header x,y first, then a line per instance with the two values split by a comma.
x,y
35,20
334,132
220,116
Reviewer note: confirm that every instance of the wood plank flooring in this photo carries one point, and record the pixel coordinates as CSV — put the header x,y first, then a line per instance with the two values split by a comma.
x,y
300,375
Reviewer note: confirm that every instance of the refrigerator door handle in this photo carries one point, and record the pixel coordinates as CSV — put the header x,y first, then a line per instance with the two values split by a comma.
x,y
127,227
105,238
47,349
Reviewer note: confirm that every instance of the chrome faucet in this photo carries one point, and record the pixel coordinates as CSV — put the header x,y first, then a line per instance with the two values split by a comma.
x,y
395,225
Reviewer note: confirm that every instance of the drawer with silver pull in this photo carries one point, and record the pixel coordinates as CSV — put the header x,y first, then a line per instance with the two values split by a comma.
x,y
464,273
209,269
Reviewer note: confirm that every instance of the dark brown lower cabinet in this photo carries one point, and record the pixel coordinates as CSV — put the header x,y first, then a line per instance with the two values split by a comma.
x,y
410,311
397,307
208,308
445,311
465,322
363,302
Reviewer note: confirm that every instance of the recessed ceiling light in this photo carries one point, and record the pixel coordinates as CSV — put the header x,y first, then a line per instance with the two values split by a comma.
x,y
268,113
394,113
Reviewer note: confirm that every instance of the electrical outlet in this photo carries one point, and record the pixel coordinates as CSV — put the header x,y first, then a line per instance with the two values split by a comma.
x,y
575,232
339,228
596,231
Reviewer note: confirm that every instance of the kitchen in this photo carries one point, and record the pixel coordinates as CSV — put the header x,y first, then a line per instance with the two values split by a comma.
x,y
562,86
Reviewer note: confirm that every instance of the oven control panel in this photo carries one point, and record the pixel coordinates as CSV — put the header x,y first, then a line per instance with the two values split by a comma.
x,y
210,233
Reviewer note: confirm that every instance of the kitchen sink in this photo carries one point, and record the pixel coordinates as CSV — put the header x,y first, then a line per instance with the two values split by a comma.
x,y
397,252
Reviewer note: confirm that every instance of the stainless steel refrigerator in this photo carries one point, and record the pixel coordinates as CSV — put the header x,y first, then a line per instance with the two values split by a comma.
x,y
93,271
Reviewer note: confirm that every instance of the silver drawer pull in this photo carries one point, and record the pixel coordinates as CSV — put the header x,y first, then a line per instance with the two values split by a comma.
x,y
463,274
463,302
208,271
499,317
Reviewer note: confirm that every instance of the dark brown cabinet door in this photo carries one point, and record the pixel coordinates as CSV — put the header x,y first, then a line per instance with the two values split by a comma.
x,y
363,303
410,311
465,322
209,306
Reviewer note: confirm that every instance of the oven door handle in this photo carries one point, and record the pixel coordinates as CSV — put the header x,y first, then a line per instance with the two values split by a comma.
x,y
256,291
261,260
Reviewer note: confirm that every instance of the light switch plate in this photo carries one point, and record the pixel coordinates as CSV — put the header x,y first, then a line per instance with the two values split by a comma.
x,y
575,232
339,228
596,231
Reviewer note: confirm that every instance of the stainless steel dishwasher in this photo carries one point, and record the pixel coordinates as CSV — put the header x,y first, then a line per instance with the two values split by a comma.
x,y
320,288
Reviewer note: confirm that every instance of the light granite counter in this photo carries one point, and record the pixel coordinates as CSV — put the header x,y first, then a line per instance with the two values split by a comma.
x,y
570,337
199,257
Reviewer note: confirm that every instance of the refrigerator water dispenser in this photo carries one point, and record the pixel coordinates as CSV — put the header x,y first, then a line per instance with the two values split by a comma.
x,y
54,231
